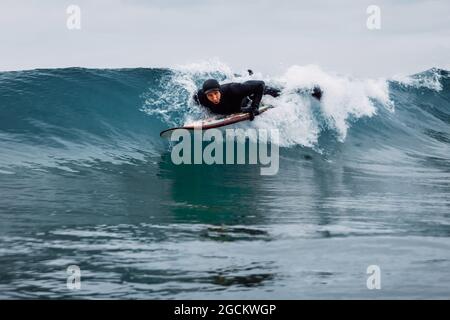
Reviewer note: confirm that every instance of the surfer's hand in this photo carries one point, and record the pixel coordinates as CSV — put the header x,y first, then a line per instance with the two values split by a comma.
x,y
252,112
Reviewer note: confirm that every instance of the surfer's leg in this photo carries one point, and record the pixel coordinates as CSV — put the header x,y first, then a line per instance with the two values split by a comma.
x,y
272,91
317,93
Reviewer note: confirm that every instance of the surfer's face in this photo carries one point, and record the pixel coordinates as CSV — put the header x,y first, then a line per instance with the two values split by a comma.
x,y
214,96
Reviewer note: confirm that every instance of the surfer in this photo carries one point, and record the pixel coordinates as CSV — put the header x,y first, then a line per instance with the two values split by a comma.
x,y
230,98
233,97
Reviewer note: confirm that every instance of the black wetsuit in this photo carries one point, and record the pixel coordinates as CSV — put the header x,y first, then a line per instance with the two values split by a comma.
x,y
237,97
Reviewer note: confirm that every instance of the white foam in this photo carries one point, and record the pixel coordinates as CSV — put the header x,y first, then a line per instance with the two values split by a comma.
x,y
430,80
299,119
343,98
213,65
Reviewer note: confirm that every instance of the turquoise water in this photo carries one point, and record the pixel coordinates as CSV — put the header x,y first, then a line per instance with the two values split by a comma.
x,y
86,180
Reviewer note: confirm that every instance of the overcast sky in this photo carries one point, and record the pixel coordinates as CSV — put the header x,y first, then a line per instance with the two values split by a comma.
x,y
266,35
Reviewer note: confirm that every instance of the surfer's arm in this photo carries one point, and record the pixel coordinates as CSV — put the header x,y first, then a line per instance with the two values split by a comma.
x,y
196,98
255,89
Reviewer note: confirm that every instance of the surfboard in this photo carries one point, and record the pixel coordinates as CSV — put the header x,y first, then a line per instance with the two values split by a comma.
x,y
215,122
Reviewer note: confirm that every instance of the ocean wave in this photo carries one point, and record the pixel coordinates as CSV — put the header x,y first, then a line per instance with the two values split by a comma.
x,y
51,117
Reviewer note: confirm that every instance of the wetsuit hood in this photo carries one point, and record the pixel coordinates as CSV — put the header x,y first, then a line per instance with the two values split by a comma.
x,y
210,85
